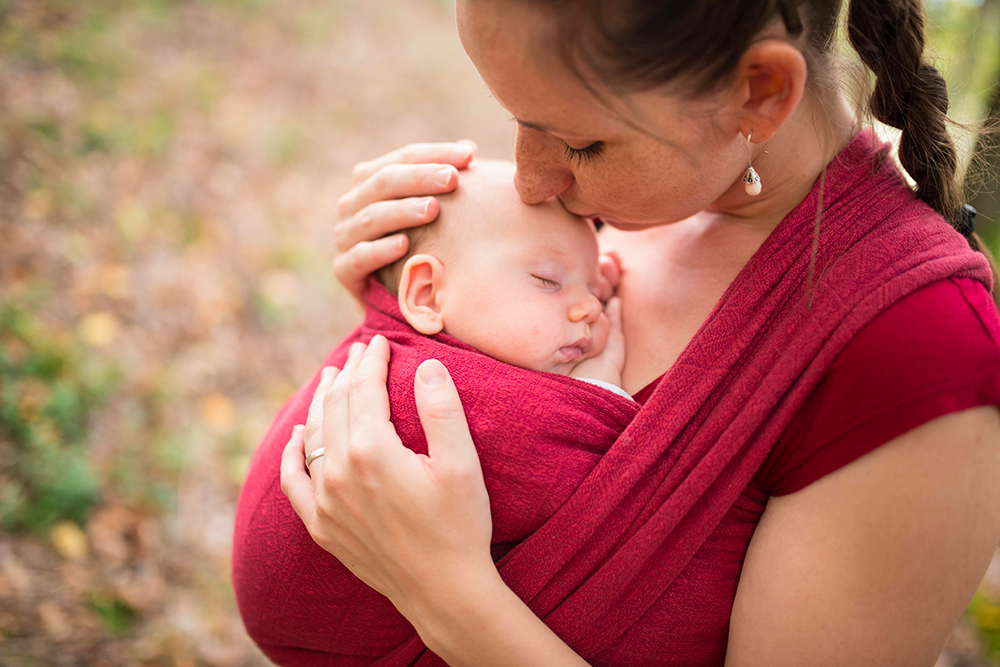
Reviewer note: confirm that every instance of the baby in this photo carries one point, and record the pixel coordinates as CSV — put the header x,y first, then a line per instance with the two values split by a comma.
x,y
497,291
517,282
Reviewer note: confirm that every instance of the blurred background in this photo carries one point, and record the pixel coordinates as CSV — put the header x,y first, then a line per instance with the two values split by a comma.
x,y
169,171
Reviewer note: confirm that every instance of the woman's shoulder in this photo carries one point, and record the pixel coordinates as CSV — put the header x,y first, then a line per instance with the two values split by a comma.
x,y
933,352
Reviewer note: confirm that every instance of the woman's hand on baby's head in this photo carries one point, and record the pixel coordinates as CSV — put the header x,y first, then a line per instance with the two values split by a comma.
x,y
391,193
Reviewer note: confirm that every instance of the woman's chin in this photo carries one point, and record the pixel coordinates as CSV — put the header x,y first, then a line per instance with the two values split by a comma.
x,y
629,226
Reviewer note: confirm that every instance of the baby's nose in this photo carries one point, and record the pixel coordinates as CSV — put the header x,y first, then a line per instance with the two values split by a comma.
x,y
587,309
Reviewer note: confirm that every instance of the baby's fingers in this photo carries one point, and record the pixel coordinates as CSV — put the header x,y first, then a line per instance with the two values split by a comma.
x,y
611,273
616,335
613,311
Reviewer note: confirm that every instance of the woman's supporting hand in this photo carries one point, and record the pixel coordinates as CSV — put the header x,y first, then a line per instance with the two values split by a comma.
x,y
390,194
415,528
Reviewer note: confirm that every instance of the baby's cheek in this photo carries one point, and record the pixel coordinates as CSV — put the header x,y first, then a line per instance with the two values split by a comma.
x,y
600,330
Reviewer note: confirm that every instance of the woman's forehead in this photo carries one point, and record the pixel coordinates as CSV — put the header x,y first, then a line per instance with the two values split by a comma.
x,y
515,56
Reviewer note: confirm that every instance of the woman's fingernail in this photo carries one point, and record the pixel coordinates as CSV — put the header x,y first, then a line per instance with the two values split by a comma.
x,y
423,206
443,176
463,153
432,373
327,372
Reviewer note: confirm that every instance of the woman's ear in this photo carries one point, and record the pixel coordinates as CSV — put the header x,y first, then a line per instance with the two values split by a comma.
x,y
419,293
770,81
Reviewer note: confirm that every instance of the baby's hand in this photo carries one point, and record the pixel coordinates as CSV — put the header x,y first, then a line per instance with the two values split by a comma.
x,y
611,273
607,365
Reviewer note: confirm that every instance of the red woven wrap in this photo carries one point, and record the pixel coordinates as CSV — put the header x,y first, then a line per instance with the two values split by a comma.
x,y
598,506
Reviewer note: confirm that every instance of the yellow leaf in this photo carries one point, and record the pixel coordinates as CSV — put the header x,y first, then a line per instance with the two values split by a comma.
x,y
218,411
114,280
99,329
133,220
989,618
69,541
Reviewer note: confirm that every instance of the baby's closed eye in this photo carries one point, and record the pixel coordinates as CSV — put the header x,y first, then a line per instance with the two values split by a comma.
x,y
548,283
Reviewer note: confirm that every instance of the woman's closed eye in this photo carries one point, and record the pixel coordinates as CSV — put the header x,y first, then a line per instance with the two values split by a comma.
x,y
586,154
547,283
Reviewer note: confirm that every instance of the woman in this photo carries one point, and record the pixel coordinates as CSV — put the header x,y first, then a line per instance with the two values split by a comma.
x,y
866,516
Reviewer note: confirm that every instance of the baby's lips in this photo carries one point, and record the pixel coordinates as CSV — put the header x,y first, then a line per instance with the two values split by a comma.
x,y
571,353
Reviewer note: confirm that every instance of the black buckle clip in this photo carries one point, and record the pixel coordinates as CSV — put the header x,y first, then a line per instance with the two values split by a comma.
x,y
966,225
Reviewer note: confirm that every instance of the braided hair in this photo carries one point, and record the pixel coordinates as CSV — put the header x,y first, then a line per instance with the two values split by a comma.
x,y
909,94
912,96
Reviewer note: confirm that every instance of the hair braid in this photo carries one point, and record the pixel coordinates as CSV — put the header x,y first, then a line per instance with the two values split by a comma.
x,y
910,95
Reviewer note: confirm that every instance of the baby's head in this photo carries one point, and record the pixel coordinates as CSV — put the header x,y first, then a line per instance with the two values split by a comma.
x,y
517,282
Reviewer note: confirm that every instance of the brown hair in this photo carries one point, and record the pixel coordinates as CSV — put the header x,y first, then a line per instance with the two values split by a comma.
x,y
643,44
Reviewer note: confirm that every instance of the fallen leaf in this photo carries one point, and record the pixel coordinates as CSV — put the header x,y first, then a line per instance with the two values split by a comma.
x,y
133,220
218,411
69,541
141,586
99,329
15,572
112,532
54,620
114,280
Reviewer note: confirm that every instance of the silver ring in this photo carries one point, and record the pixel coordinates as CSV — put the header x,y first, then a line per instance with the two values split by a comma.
x,y
313,455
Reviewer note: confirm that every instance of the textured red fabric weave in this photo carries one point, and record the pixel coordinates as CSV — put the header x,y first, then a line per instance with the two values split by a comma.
x,y
935,352
538,436
616,545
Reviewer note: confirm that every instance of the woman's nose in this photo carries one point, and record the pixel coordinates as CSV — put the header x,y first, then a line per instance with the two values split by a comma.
x,y
541,171
587,309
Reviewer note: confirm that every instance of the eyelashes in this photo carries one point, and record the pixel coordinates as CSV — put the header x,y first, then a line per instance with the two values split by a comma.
x,y
551,284
584,155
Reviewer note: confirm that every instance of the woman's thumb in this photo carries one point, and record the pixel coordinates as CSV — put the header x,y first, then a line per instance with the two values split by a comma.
x,y
449,442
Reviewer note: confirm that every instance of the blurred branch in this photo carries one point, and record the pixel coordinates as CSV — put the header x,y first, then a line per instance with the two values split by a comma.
x,y
984,170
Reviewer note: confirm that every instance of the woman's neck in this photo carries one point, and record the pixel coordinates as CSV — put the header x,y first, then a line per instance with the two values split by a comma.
x,y
796,156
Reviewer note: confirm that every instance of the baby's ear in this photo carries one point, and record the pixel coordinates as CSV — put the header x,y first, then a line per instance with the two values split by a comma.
x,y
419,289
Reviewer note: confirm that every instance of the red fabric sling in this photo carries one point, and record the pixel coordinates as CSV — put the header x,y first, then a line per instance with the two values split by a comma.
x,y
634,521
539,435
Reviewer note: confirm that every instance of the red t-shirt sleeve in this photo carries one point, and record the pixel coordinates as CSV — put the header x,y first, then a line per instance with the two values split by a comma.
x,y
935,352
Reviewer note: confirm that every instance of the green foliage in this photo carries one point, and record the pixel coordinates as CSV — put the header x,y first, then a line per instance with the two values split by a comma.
x,y
48,391
150,135
116,615
984,613
74,41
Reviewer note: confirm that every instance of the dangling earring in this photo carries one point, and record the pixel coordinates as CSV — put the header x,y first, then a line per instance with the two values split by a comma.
x,y
751,181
